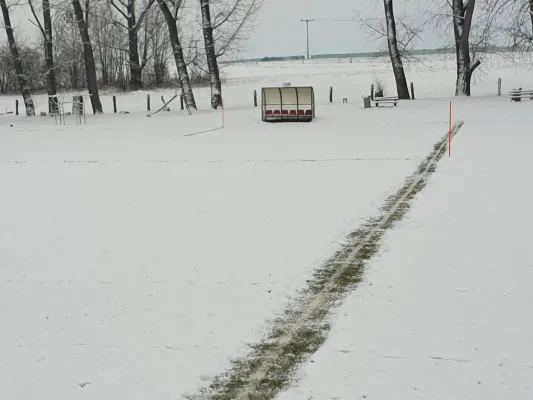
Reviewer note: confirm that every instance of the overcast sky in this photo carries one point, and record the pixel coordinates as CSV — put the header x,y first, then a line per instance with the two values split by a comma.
x,y
279,31
336,28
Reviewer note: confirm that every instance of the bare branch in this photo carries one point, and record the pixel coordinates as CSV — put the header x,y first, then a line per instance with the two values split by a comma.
x,y
143,15
118,23
112,2
37,22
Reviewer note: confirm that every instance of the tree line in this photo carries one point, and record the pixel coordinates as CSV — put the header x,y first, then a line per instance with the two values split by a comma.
x,y
128,44
477,28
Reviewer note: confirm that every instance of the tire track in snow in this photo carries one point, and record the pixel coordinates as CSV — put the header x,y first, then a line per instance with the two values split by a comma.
x,y
303,328
258,161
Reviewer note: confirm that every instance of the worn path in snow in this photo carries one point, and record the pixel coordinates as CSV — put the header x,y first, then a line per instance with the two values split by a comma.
x,y
444,311
303,328
103,257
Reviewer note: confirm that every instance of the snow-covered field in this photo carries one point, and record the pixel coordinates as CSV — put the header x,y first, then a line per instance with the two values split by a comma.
x,y
444,312
139,255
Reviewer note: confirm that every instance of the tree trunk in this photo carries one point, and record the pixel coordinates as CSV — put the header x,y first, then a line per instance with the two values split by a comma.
x,y
531,13
462,24
395,57
212,62
133,48
24,89
49,56
90,67
177,50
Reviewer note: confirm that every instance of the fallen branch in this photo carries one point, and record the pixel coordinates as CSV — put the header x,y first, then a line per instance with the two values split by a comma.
x,y
164,106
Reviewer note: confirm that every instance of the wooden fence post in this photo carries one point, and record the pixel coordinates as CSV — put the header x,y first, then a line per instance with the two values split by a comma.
x,y
412,91
115,104
148,102
181,102
17,107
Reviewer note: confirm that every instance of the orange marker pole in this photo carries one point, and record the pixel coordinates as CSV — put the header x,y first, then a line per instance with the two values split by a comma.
x,y
450,133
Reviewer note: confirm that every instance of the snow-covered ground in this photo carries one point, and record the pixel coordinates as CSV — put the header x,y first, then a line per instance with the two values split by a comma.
x,y
445,309
136,260
433,77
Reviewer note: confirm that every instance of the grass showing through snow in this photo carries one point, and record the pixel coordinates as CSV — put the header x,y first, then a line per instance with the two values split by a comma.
x,y
303,329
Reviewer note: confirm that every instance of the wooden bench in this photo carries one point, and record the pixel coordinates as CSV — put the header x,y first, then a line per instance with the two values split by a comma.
x,y
385,100
519,94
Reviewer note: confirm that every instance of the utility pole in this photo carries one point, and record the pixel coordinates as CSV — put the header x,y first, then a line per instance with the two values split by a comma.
x,y
307,23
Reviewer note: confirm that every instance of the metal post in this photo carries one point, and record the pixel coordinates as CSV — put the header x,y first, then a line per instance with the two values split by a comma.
x,y
307,35
307,29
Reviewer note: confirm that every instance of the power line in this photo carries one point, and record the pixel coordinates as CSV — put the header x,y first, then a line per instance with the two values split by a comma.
x,y
307,26
337,19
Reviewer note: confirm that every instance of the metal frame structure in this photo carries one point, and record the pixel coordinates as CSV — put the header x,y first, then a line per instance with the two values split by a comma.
x,y
78,108
280,104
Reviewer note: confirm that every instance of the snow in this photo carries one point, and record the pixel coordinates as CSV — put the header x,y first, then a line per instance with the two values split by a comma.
x,y
443,312
139,255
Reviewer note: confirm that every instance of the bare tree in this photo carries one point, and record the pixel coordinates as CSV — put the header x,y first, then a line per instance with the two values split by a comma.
x,y
32,62
470,40
171,18
69,61
145,53
156,39
468,44
111,53
24,88
8,82
232,22
127,9
226,24
531,13
395,56
90,67
408,30
517,22
8,77
462,25
211,57
46,31
528,8
88,43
